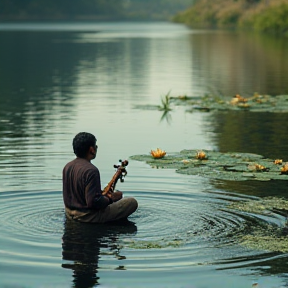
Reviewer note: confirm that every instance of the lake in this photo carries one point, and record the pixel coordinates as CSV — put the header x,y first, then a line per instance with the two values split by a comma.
x,y
57,79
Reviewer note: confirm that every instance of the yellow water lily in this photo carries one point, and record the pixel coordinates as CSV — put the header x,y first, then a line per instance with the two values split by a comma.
x,y
278,161
238,99
201,155
284,168
158,153
257,167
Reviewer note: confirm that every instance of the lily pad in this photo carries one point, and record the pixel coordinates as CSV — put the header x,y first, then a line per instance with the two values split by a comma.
x,y
148,107
226,166
255,103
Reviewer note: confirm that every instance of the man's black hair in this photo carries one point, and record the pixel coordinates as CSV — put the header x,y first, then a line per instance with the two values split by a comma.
x,y
82,142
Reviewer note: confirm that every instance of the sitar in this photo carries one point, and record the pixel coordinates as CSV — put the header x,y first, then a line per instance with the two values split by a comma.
x,y
119,175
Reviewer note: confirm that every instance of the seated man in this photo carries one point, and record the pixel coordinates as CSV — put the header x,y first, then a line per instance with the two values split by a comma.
x,y
82,192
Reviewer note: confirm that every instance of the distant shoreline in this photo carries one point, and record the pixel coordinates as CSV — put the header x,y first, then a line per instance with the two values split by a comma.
x,y
13,19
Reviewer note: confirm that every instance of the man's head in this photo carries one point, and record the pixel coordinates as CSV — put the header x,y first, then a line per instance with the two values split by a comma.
x,y
84,144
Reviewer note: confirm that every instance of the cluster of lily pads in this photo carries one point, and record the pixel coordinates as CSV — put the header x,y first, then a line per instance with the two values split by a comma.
x,y
237,167
231,166
207,103
255,103
218,165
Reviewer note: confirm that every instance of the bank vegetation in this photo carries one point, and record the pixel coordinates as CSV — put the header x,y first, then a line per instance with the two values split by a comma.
x,y
260,15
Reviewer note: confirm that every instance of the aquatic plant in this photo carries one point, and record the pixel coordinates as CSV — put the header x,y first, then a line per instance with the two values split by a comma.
x,y
201,155
257,167
264,236
260,206
278,161
230,166
255,103
165,101
284,168
160,244
165,105
238,99
265,239
208,103
158,153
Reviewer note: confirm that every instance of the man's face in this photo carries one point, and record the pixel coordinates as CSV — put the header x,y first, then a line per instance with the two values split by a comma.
x,y
95,148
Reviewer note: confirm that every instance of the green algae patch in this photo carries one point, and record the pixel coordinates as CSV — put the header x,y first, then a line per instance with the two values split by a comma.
x,y
217,165
264,236
255,103
262,206
154,244
266,240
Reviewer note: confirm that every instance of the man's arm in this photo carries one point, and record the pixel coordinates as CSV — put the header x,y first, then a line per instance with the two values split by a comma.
x,y
93,192
115,196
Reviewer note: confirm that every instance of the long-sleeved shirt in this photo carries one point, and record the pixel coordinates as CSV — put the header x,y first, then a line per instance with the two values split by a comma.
x,y
82,186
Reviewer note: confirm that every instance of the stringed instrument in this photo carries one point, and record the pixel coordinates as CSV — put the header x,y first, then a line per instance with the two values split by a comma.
x,y
119,175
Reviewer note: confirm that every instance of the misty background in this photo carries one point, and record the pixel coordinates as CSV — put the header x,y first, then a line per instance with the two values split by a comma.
x,y
27,10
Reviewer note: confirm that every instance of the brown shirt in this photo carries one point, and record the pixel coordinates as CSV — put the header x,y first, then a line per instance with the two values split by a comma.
x,y
82,186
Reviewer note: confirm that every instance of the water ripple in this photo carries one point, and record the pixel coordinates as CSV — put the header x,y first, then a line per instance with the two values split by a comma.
x,y
168,232
32,213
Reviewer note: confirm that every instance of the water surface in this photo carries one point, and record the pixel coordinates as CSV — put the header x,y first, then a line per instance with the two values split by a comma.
x,y
59,79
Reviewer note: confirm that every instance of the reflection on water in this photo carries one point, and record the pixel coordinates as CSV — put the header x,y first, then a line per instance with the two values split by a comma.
x,y
82,245
57,80
260,133
166,115
149,246
257,188
231,63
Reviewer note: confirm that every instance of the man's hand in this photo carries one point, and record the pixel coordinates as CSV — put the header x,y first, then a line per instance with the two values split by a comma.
x,y
115,196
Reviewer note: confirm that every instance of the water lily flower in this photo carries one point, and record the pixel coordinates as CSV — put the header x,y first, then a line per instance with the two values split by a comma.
x,y
238,99
257,167
201,155
158,153
284,168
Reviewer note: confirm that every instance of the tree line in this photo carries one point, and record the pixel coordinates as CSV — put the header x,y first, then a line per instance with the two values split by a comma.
x,y
269,16
90,9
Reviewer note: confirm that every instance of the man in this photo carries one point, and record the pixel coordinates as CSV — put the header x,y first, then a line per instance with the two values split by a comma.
x,y
82,192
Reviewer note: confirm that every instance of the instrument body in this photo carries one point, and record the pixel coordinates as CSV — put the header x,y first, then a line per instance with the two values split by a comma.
x,y
119,175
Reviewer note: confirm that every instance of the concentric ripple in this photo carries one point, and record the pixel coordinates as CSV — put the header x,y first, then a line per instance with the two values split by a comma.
x,y
184,218
36,213
170,231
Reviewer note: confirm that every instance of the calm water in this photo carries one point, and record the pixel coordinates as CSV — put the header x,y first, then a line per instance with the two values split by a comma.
x,y
59,79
